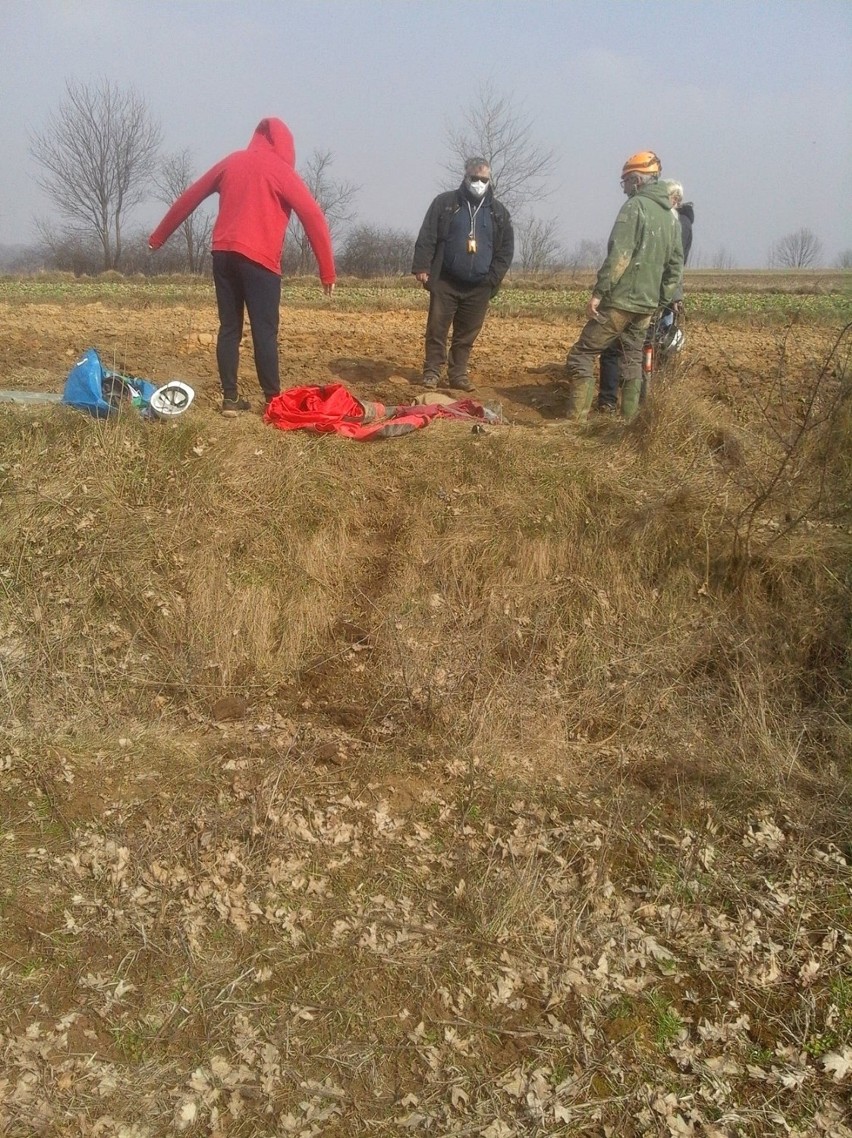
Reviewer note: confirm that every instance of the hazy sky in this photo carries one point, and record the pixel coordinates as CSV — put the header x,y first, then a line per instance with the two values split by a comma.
x,y
747,102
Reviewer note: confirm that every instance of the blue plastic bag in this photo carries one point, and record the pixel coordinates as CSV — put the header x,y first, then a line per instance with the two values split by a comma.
x,y
92,388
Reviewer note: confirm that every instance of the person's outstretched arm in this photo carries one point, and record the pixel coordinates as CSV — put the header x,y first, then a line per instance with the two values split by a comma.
x,y
189,200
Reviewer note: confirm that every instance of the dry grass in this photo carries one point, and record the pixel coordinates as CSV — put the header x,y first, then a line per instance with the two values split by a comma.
x,y
533,813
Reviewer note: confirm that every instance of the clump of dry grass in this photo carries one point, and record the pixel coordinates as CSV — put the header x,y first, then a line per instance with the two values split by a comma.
x,y
525,596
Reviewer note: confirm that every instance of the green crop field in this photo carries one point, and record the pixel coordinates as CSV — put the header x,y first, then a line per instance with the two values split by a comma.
x,y
775,297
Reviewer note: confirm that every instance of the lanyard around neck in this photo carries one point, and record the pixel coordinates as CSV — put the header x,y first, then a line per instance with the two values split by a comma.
x,y
473,212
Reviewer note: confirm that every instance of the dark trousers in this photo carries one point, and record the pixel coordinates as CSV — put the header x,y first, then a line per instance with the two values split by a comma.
x,y
609,379
612,369
462,307
242,285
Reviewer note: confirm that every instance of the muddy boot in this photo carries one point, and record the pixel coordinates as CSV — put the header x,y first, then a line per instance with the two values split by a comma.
x,y
630,398
579,395
461,383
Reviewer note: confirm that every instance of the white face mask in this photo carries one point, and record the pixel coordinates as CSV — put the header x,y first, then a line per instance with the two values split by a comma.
x,y
477,188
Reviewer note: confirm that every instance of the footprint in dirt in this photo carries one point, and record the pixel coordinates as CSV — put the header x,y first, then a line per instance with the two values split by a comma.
x,y
377,379
532,402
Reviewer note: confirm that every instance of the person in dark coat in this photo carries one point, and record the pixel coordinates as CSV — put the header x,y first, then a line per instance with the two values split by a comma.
x,y
610,378
463,250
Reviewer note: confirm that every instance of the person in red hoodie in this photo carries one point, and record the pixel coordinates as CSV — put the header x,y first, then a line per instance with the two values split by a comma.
x,y
258,189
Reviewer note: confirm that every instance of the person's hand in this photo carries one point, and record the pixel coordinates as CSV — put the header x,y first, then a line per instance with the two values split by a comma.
x,y
677,307
423,278
592,308
328,289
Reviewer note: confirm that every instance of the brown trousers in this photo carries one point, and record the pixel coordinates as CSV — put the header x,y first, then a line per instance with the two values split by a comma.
x,y
461,307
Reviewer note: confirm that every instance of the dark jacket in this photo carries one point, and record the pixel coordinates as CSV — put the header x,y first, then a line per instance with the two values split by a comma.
x,y
429,246
644,261
686,216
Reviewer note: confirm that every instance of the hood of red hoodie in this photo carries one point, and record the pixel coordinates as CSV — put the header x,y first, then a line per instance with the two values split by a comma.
x,y
275,134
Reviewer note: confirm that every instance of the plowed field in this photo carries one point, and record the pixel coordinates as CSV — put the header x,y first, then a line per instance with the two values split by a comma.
x,y
377,354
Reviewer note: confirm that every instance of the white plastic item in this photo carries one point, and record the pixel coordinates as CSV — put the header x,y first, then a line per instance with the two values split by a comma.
x,y
171,399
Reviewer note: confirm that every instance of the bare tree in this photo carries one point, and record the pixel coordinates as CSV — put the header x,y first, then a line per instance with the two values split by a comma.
x,y
70,250
586,254
540,248
20,258
97,153
722,259
844,261
336,200
799,250
174,174
371,251
696,257
493,129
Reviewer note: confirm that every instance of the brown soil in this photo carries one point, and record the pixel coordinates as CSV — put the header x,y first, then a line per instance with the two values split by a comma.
x,y
376,354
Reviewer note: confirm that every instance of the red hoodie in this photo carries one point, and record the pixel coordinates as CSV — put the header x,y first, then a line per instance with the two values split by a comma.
x,y
258,188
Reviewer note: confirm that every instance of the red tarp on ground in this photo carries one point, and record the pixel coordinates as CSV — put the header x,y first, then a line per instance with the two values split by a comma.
x,y
333,408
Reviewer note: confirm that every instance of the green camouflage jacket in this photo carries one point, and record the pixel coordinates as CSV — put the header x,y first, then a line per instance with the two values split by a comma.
x,y
644,260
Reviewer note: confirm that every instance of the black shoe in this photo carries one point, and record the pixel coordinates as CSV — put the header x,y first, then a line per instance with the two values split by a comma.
x,y
429,380
232,407
461,384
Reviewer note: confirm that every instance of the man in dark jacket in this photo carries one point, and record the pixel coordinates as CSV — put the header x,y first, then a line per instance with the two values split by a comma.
x,y
463,250
612,357
641,272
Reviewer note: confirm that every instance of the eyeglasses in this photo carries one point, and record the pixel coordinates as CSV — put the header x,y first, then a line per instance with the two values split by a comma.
x,y
479,178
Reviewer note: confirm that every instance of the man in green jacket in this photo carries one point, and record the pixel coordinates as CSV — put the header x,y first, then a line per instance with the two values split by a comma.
x,y
642,270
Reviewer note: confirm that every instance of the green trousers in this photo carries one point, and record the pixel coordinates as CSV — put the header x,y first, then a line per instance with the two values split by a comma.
x,y
612,324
